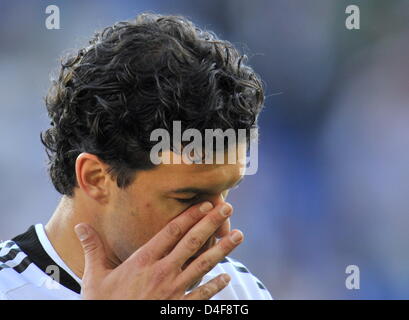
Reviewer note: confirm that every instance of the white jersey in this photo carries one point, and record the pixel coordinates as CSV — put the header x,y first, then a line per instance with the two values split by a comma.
x,y
30,268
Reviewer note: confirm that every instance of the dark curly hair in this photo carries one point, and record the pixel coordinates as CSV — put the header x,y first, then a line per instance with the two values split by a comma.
x,y
134,77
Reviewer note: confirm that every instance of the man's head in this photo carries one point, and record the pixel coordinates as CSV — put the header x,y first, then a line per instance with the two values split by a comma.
x,y
134,77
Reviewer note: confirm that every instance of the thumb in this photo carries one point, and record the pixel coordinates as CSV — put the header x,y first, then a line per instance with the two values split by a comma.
x,y
93,247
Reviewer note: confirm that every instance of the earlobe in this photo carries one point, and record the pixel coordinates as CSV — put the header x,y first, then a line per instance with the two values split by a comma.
x,y
92,177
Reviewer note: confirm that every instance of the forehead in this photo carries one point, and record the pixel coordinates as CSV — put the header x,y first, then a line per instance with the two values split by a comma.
x,y
199,175
207,176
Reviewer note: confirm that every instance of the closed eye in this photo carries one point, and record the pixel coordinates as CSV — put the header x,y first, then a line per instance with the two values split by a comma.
x,y
198,196
188,200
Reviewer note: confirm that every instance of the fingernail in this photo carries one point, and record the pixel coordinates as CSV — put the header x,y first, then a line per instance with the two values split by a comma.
x,y
225,210
236,237
207,206
226,278
81,232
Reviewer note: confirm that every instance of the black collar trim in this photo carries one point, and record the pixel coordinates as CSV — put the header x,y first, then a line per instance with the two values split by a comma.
x,y
31,246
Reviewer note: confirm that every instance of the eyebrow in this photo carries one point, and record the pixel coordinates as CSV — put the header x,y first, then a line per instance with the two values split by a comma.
x,y
202,190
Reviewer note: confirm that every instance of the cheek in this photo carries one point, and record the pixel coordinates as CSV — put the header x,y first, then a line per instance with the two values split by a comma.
x,y
134,224
157,215
151,217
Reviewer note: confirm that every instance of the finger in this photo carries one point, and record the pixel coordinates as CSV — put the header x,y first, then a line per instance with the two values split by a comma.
x,y
209,289
209,259
196,237
223,230
94,253
166,239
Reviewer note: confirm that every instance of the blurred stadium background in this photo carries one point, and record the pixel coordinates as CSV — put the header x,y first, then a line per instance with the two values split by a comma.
x,y
332,186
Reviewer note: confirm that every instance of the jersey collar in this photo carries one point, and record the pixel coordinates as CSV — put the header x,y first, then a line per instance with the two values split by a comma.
x,y
36,245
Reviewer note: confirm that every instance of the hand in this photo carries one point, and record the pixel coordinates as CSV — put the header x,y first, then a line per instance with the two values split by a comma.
x,y
155,270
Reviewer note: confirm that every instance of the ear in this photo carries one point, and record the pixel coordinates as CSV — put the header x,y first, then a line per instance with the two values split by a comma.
x,y
92,177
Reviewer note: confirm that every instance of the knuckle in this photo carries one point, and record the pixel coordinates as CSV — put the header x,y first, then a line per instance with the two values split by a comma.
x,y
194,242
215,220
143,258
174,230
226,246
161,272
195,214
89,246
206,292
204,266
